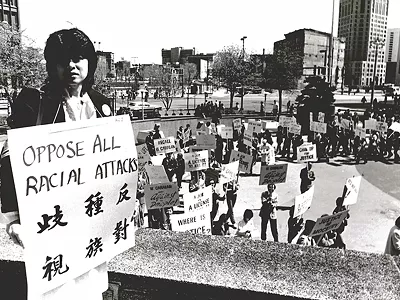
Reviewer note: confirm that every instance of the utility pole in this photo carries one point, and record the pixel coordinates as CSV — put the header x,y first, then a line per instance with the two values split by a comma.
x,y
331,46
242,93
377,43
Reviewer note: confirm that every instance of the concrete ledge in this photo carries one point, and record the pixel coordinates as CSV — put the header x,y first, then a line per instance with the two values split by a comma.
x,y
173,265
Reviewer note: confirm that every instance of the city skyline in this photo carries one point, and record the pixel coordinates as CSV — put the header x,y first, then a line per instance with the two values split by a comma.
x,y
138,32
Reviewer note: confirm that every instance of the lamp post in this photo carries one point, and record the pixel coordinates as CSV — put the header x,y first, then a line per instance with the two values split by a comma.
x,y
242,39
324,51
377,43
242,92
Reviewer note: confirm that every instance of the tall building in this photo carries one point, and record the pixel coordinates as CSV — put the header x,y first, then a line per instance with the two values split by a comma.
x,y
9,13
393,56
310,48
110,65
176,56
363,23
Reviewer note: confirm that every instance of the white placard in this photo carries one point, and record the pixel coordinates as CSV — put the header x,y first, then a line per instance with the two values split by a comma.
x,y
156,174
161,195
395,126
237,124
227,132
229,172
244,159
76,187
318,127
273,174
361,132
165,145
248,138
381,126
352,189
206,141
285,121
303,202
370,124
198,201
196,161
255,126
197,222
143,156
307,153
295,129
321,117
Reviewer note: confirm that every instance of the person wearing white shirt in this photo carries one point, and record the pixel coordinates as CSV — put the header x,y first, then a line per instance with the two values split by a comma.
x,y
245,226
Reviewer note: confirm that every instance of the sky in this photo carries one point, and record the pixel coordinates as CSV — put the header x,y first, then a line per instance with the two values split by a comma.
x,y
138,30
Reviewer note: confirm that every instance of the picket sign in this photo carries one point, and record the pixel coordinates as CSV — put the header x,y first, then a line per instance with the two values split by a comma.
x,y
227,133
395,126
198,222
351,189
198,201
307,153
165,145
244,159
237,124
229,172
255,126
318,127
303,202
143,156
196,161
328,223
321,117
295,129
161,195
248,138
361,132
206,141
156,174
370,124
273,174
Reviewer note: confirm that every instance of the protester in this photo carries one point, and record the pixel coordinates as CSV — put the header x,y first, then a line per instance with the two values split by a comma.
x,y
180,169
295,225
339,243
221,227
393,240
269,201
245,226
67,96
169,163
150,143
307,177
217,196
231,197
305,239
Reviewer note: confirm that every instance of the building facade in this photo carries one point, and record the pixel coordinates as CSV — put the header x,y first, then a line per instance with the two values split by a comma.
x,y
9,12
393,56
109,57
176,56
363,23
311,49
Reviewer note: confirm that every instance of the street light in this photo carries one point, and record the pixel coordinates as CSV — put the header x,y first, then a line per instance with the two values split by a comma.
x,y
242,93
242,39
377,43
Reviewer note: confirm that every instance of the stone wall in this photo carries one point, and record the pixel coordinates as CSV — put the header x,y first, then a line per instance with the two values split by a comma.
x,y
172,265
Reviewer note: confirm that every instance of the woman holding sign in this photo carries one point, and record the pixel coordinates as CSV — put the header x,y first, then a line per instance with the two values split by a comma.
x,y
67,96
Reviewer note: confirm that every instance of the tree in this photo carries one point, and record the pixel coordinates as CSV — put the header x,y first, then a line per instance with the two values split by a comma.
x,y
316,97
232,68
20,64
189,73
283,70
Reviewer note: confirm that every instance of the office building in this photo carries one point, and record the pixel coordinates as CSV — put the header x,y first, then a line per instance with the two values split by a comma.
x,y
176,56
363,23
110,65
9,13
393,56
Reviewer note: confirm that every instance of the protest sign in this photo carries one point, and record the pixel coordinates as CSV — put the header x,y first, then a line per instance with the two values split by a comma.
x,y
352,188
248,138
255,126
295,129
307,153
76,186
213,129
198,201
370,124
381,126
165,145
156,174
303,202
237,124
197,222
285,121
196,161
395,126
143,156
229,172
318,127
361,132
345,124
219,128
206,141
244,159
321,117
328,223
161,195
267,154
227,133
273,174
311,117
186,136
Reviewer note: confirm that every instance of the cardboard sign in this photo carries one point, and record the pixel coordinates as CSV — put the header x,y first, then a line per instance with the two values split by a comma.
x,y
219,128
143,156
227,133
318,127
381,126
273,174
395,126
186,136
352,187
345,124
328,223
166,145
196,161
198,201
206,141
213,129
285,121
267,153
295,129
244,159
237,124
370,124
161,195
303,202
156,174
361,132
248,138
307,153
255,126
229,172
321,117
76,186
197,222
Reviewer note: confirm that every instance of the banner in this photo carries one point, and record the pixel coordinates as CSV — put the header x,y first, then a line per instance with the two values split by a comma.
x,y
395,126
295,129
370,124
229,172
237,124
227,133
303,202
318,127
273,174
307,153
321,117
255,126
76,186
198,201
248,138
161,195
196,161
244,159
328,223
166,145
352,187
156,174
143,156
361,132
206,141
197,222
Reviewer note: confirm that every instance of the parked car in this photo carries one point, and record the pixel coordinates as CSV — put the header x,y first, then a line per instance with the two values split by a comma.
x,y
150,110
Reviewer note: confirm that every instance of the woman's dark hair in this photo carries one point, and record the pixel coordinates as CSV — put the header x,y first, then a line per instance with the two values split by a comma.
x,y
66,44
248,213
397,223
